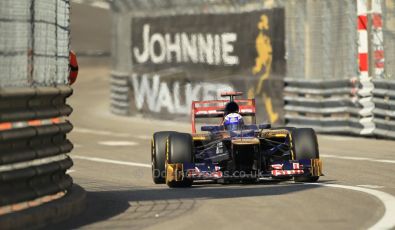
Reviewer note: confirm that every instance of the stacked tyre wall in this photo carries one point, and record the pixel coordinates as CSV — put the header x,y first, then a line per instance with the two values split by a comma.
x,y
33,128
34,52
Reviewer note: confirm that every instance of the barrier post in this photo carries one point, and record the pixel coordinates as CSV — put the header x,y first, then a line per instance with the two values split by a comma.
x,y
365,90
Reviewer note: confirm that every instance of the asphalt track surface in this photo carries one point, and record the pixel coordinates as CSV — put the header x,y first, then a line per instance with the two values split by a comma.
x,y
112,162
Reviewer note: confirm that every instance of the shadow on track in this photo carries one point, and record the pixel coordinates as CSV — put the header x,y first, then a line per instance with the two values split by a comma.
x,y
137,208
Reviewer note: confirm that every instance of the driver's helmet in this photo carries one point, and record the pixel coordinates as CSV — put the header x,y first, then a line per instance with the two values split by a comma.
x,y
233,121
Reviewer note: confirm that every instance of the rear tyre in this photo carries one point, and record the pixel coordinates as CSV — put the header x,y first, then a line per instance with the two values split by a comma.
x,y
180,150
305,146
158,156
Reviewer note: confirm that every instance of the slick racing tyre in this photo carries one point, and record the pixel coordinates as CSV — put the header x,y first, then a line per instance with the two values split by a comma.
x,y
179,150
305,146
158,156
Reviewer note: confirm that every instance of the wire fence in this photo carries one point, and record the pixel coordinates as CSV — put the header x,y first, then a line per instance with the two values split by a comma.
x,y
34,42
389,38
321,39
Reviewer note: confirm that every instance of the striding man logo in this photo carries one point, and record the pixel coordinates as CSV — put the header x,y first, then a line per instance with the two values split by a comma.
x,y
264,48
262,68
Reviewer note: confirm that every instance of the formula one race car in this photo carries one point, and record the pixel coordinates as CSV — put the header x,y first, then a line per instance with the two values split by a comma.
x,y
236,150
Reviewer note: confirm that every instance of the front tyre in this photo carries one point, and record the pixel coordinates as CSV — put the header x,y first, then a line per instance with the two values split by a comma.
x,y
304,146
179,149
158,156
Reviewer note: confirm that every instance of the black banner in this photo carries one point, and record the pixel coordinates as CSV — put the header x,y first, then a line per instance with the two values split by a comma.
x,y
245,50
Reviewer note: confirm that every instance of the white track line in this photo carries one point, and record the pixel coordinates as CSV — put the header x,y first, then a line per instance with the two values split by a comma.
x,y
100,132
358,158
118,143
102,160
98,4
337,138
370,186
102,5
109,133
387,221
70,171
143,137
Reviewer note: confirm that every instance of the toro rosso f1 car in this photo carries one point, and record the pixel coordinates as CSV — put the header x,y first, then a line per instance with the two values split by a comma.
x,y
235,150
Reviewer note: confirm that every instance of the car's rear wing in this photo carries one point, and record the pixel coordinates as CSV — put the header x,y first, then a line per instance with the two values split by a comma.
x,y
215,108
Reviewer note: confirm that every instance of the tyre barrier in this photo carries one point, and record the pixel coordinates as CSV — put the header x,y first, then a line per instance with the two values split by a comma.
x,y
328,106
384,111
33,143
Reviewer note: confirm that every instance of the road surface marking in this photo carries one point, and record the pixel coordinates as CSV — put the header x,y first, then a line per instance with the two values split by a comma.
x,y
100,132
102,5
337,138
143,137
370,186
118,143
358,158
102,160
70,171
98,4
109,133
387,221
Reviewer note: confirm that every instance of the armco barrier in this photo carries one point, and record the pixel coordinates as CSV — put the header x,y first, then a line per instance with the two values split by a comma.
x,y
120,95
328,106
33,143
384,111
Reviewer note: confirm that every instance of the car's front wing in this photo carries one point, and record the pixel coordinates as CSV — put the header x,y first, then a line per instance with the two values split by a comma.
x,y
209,171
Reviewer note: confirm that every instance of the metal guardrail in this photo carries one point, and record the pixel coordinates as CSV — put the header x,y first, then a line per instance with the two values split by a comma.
x,y
120,98
384,111
123,91
33,143
333,106
328,106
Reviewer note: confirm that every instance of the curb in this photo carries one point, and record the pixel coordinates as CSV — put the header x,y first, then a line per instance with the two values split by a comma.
x,y
53,212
